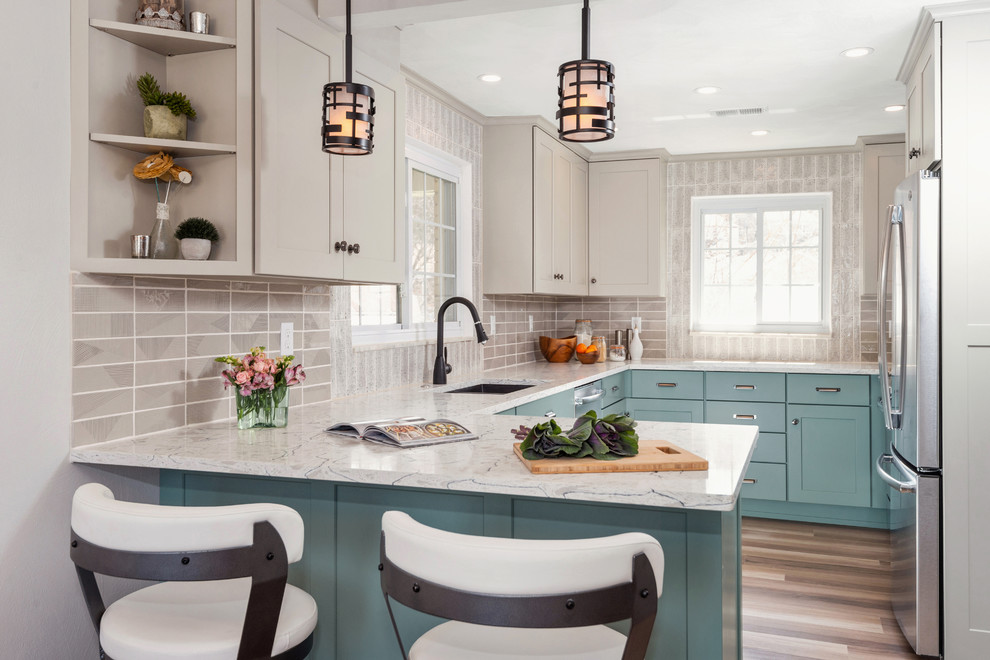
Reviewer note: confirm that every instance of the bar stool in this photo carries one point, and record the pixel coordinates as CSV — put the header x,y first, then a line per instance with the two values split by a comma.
x,y
222,570
519,598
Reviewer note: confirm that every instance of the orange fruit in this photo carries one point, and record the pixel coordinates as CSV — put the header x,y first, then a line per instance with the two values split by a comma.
x,y
591,349
581,348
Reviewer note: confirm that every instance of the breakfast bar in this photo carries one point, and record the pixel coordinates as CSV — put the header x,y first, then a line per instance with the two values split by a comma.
x,y
342,486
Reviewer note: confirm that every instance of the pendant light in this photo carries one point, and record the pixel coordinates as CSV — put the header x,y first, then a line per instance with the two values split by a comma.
x,y
585,102
348,110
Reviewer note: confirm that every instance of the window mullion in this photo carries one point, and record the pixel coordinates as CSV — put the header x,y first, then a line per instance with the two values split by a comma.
x,y
759,266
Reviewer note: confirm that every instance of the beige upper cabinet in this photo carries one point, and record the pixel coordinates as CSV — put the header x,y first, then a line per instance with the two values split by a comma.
x,y
883,170
923,146
536,213
560,218
108,204
626,231
309,204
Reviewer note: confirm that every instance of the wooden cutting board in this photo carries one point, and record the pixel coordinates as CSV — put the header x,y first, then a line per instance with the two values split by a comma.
x,y
653,456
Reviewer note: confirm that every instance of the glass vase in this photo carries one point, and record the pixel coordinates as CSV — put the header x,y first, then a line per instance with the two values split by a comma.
x,y
163,243
265,409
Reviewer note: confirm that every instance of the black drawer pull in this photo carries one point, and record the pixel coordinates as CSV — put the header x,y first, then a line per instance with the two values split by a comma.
x,y
741,416
749,481
744,387
828,389
666,384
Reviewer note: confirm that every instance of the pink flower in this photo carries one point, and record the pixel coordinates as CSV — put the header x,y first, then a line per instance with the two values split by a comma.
x,y
243,377
245,390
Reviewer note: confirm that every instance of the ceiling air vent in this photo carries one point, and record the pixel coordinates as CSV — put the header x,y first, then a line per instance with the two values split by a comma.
x,y
738,112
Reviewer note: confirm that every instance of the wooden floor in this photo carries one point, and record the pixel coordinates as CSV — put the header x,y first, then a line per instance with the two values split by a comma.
x,y
817,591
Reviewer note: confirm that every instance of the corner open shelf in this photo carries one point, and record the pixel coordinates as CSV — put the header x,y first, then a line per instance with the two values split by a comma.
x,y
215,71
163,42
178,148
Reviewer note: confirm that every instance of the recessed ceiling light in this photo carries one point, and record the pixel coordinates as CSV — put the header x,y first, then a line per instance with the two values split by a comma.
x,y
861,51
894,108
708,89
489,77
759,133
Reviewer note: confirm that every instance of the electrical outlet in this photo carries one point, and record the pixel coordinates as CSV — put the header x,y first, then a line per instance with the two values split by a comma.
x,y
491,325
285,341
530,322
637,323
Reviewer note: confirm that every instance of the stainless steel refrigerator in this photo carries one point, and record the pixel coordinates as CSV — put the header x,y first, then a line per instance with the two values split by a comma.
x,y
908,306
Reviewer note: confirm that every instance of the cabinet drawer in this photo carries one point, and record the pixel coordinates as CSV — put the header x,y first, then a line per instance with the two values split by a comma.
x,y
668,384
769,482
744,386
768,416
825,389
666,410
771,448
555,405
617,408
615,388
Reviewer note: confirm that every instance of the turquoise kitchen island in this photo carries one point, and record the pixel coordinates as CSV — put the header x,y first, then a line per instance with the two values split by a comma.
x,y
342,486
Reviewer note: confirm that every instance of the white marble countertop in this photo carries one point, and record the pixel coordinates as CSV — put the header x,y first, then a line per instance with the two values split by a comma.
x,y
304,451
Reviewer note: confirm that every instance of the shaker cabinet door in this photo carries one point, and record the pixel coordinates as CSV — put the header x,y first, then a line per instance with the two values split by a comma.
x,y
828,455
625,228
296,183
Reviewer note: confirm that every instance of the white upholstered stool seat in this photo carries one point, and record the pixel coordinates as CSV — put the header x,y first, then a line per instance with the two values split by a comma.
x,y
221,574
521,599
197,621
456,640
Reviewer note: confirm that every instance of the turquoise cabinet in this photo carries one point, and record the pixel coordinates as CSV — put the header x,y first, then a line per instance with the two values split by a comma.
x,y
618,408
828,455
616,388
666,410
768,416
647,384
555,405
339,567
507,411
743,386
765,481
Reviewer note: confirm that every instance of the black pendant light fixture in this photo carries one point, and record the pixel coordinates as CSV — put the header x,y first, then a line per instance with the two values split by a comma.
x,y
348,111
585,99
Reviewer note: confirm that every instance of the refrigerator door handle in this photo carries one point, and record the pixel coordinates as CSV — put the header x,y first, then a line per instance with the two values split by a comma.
x,y
909,486
895,219
882,321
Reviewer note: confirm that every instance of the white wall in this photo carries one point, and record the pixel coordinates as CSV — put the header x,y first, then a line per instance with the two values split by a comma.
x,y
42,614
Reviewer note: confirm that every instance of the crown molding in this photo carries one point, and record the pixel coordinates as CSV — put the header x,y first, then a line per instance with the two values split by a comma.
x,y
770,153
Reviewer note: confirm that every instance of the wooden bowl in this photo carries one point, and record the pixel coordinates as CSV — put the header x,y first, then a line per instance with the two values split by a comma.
x,y
588,358
557,350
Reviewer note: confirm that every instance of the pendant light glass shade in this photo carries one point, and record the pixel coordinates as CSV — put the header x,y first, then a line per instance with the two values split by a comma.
x,y
585,93
348,110
348,119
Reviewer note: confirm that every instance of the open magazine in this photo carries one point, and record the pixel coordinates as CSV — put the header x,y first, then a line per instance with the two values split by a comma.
x,y
405,432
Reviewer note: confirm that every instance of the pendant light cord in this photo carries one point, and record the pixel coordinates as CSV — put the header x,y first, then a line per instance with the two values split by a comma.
x,y
585,30
347,44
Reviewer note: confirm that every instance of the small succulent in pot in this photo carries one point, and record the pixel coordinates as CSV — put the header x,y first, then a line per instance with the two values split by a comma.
x,y
165,112
196,237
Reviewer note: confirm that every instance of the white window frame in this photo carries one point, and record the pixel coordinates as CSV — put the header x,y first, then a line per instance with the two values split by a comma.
x,y
431,160
759,204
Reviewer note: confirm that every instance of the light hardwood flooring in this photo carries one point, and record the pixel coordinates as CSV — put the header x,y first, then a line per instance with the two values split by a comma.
x,y
817,591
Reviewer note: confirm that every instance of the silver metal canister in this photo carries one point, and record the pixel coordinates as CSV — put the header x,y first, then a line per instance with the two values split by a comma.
x,y
199,22
139,246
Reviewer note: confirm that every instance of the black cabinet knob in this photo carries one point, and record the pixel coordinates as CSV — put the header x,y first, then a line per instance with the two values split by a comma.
x,y
353,248
339,245
594,280
914,153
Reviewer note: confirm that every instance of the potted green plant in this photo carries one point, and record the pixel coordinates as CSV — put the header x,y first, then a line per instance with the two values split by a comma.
x,y
196,237
165,113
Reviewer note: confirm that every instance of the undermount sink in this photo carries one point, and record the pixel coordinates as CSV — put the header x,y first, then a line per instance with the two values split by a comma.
x,y
490,388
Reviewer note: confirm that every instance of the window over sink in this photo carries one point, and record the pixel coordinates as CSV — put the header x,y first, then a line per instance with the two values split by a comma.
x,y
761,263
438,214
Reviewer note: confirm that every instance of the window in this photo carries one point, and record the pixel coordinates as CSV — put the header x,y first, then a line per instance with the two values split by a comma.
x,y
439,260
760,263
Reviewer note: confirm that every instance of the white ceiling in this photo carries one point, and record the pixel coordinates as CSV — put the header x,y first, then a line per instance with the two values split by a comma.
x,y
780,54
